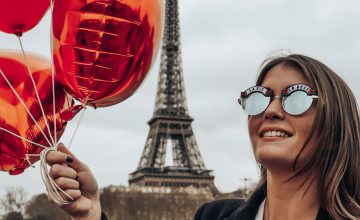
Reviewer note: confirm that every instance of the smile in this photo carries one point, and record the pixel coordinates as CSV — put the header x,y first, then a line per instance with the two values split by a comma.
x,y
275,134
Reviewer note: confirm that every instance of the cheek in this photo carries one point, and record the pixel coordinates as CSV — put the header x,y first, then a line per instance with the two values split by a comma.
x,y
303,127
303,130
309,150
253,125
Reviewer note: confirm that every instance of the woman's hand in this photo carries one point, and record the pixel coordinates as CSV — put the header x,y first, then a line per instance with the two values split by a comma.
x,y
76,180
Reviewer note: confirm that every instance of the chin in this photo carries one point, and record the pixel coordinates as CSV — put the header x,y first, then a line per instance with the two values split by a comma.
x,y
274,157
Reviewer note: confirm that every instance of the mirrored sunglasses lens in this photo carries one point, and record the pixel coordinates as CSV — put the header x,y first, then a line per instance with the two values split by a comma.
x,y
297,103
255,103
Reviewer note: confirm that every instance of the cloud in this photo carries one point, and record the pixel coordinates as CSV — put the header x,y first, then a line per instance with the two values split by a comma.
x,y
223,44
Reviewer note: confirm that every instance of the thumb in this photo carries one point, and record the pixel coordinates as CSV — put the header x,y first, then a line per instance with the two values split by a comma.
x,y
76,164
61,147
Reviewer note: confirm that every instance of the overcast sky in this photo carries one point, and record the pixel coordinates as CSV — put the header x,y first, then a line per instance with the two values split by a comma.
x,y
223,44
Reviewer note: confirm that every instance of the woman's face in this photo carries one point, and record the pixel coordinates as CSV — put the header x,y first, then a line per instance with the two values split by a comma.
x,y
281,151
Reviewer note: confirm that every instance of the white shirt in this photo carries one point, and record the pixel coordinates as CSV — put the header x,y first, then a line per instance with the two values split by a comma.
x,y
260,213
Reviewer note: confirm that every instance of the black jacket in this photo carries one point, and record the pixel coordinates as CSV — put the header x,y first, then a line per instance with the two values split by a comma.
x,y
103,216
235,209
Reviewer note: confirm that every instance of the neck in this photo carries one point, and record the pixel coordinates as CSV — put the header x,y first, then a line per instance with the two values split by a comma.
x,y
294,199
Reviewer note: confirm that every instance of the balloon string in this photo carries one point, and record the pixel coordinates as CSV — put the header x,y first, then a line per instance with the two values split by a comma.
x,y
27,156
27,110
36,92
52,70
22,138
77,126
51,187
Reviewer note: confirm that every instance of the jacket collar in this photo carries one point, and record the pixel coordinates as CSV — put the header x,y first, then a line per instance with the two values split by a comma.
x,y
248,210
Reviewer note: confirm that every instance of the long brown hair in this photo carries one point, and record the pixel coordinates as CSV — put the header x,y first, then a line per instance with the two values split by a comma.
x,y
337,158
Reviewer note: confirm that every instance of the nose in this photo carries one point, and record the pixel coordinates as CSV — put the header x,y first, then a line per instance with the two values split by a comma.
x,y
274,110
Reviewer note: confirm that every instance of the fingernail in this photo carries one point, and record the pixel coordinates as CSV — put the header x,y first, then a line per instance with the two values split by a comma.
x,y
69,159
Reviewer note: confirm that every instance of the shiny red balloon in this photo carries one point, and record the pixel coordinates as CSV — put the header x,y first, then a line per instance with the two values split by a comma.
x,y
15,118
103,49
19,16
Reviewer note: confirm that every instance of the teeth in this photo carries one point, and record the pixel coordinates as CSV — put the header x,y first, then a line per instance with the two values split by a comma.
x,y
275,134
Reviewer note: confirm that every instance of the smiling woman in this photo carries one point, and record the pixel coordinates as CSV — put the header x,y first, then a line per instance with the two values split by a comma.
x,y
305,130
304,127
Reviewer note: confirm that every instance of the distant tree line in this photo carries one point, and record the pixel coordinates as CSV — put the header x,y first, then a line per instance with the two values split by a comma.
x,y
16,206
119,202
150,203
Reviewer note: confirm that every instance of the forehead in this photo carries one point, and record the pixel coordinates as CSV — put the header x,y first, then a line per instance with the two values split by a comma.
x,y
282,76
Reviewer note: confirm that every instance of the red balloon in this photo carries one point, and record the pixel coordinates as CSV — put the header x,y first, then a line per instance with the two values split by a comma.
x,y
15,118
103,49
19,16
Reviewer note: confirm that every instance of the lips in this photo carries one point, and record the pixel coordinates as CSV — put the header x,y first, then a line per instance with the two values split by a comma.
x,y
274,132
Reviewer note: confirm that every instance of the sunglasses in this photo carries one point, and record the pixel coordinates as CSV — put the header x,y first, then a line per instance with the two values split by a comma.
x,y
295,99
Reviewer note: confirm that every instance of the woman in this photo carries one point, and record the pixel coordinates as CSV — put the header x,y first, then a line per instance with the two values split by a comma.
x,y
305,130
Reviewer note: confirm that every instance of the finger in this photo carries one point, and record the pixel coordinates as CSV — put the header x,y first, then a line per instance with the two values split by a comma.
x,y
76,163
74,194
58,170
67,183
54,157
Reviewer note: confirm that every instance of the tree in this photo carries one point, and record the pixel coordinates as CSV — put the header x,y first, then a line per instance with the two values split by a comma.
x,y
13,203
13,216
39,208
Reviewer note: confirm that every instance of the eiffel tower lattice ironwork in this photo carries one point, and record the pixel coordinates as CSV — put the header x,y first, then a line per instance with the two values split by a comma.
x,y
170,126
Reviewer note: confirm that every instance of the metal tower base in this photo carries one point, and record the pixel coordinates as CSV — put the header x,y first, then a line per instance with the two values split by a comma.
x,y
173,177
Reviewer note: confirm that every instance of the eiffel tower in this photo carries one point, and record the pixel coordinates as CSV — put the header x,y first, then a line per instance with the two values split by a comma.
x,y
170,126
